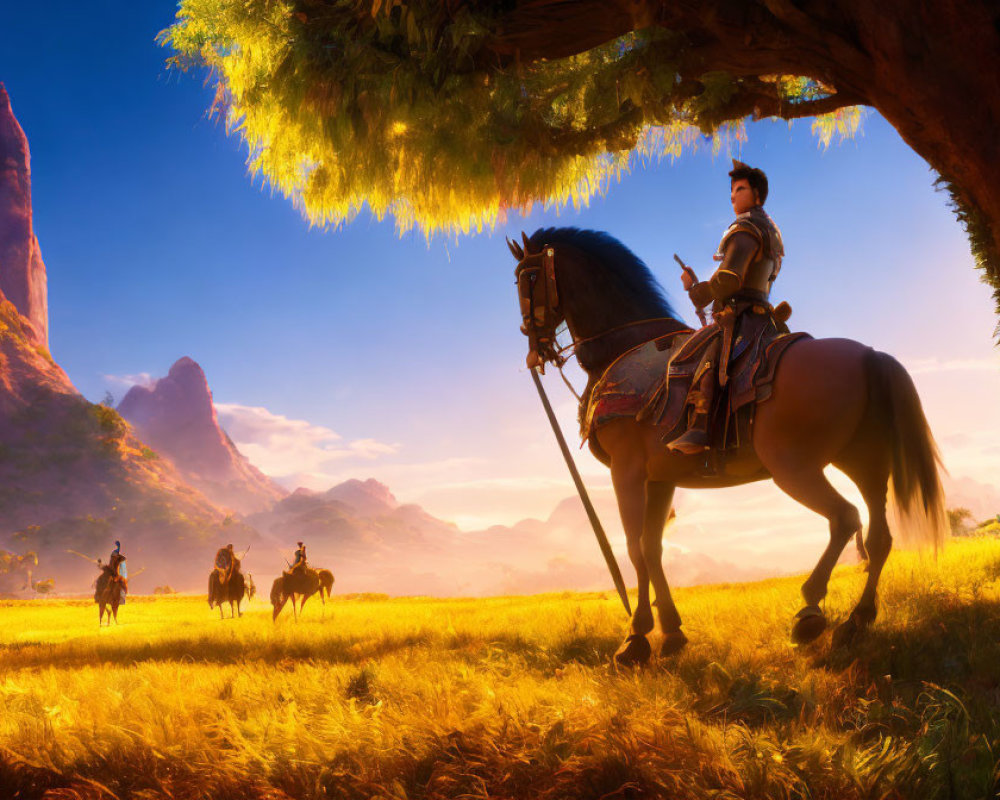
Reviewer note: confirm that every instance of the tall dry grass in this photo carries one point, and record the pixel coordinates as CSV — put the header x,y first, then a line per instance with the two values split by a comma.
x,y
512,697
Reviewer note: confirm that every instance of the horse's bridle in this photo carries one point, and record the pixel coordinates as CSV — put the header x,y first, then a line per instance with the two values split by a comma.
x,y
538,294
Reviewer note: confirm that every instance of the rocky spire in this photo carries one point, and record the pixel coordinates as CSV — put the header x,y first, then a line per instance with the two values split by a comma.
x,y
176,417
22,272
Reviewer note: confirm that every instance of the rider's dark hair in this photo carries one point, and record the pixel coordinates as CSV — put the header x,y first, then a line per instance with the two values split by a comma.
x,y
755,177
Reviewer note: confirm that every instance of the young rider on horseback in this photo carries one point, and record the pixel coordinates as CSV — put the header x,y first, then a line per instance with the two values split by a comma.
x,y
227,563
299,565
750,251
117,568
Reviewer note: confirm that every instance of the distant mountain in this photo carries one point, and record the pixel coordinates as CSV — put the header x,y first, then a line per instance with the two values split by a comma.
x,y
374,544
73,476
982,499
175,417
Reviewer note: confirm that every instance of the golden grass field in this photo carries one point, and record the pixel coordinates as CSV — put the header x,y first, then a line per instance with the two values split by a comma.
x,y
511,697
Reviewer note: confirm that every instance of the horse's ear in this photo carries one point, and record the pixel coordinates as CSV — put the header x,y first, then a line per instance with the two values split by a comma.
x,y
515,249
524,238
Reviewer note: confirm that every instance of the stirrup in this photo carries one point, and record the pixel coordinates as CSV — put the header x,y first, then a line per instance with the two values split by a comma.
x,y
690,443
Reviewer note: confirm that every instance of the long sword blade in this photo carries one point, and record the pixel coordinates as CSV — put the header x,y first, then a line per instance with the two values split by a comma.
x,y
602,538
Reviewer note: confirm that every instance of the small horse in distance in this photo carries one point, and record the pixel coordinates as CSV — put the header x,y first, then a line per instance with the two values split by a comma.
x,y
108,590
231,590
302,585
833,401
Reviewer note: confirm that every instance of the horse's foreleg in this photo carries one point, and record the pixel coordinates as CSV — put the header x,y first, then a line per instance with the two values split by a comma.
x,y
659,496
630,492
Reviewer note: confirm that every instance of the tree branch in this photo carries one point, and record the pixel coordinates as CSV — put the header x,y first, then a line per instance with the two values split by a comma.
x,y
808,108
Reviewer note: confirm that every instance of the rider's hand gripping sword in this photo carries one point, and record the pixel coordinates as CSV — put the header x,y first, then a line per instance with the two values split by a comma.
x,y
694,278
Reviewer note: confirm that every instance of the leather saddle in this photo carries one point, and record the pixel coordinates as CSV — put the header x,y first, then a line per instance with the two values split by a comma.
x,y
650,383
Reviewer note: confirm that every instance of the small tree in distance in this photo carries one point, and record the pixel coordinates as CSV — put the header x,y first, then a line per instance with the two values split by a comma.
x,y
959,521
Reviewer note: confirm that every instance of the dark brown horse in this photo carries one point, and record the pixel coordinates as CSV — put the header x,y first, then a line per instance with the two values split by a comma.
x,y
301,584
226,589
108,590
834,401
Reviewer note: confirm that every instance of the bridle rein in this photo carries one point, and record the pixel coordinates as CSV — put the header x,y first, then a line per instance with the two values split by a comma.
x,y
538,295
541,313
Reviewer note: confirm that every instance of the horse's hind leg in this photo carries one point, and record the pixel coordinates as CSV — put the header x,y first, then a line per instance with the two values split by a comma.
x,y
871,474
630,491
809,486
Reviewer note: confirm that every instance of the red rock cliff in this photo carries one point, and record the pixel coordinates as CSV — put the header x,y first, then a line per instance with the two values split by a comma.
x,y
22,272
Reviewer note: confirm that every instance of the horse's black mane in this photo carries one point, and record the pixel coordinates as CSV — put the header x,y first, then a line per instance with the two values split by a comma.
x,y
631,271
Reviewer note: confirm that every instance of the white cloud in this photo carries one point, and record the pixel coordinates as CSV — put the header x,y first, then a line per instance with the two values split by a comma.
x,y
282,447
128,381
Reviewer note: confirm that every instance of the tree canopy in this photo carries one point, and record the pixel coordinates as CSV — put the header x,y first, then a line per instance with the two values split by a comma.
x,y
447,114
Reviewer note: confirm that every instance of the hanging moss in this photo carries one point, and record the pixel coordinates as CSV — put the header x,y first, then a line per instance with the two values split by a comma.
x,y
397,108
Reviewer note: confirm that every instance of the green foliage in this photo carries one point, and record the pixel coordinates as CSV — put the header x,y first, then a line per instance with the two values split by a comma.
x,y
959,520
977,229
399,108
109,420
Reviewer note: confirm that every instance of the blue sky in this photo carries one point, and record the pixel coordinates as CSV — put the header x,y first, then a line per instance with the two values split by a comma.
x,y
356,352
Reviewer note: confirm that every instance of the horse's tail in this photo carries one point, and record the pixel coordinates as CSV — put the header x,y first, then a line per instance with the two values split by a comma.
x,y
326,581
211,589
277,590
915,484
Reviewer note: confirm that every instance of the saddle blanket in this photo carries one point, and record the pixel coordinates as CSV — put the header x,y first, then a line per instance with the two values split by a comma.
x,y
650,383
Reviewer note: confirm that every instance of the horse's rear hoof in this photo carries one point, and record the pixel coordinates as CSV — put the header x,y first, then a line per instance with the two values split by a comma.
x,y
672,643
634,651
810,623
848,631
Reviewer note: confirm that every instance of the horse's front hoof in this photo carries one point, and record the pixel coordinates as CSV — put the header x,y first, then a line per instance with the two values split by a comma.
x,y
809,624
634,651
672,643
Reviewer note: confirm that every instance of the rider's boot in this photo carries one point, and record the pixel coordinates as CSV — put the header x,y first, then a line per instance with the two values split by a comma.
x,y
695,439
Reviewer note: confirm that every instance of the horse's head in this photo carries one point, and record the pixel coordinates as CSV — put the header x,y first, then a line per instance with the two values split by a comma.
x,y
539,298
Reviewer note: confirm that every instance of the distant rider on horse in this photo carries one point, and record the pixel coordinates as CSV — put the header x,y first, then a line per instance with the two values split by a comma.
x,y
227,563
116,569
750,251
299,565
